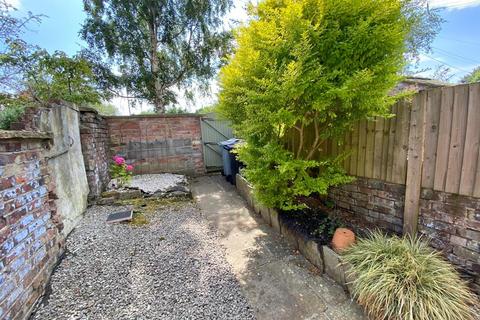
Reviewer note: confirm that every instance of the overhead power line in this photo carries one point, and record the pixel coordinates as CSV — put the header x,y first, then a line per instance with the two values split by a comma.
x,y
461,41
456,56
447,64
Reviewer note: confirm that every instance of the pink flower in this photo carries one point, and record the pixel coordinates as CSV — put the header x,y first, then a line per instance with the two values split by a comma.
x,y
129,168
119,160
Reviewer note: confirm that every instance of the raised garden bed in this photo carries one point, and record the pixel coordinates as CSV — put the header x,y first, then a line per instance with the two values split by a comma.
x,y
302,232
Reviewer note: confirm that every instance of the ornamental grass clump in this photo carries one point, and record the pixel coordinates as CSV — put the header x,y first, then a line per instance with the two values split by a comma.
x,y
403,278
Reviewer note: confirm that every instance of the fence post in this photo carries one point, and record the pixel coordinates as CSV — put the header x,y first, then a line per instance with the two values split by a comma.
x,y
416,147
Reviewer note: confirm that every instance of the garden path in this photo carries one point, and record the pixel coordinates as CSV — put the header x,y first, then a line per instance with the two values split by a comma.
x,y
277,281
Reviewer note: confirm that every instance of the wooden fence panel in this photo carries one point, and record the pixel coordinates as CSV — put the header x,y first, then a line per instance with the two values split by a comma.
x,y
401,143
432,120
370,149
451,148
354,150
472,141
378,149
362,147
443,144
391,143
415,161
457,142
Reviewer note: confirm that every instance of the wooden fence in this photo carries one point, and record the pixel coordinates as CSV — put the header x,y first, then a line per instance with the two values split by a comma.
x,y
432,142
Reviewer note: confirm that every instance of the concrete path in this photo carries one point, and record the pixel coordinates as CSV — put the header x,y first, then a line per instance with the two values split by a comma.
x,y
277,281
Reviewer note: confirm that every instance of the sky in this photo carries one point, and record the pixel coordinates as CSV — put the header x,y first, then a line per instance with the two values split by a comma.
x,y
456,47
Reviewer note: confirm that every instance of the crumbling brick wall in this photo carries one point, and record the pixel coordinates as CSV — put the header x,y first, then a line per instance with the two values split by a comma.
x,y
158,143
95,148
30,237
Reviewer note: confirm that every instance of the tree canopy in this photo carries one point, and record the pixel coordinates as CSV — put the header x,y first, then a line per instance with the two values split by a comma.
x,y
472,77
157,45
316,66
30,75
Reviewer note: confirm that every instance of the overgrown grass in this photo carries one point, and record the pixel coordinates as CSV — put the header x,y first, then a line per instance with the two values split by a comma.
x,y
402,278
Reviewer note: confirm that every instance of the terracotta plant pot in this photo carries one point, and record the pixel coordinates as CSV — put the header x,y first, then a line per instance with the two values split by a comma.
x,y
342,239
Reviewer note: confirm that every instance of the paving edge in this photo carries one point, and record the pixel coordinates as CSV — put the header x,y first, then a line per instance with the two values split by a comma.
x,y
322,257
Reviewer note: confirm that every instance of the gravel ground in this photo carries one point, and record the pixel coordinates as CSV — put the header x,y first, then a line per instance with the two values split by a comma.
x,y
170,268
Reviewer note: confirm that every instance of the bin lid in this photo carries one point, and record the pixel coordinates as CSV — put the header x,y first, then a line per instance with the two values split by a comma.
x,y
229,144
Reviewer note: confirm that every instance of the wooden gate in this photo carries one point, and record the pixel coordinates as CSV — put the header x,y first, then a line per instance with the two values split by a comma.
x,y
214,131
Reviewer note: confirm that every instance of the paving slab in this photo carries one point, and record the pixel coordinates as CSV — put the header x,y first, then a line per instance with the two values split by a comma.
x,y
277,281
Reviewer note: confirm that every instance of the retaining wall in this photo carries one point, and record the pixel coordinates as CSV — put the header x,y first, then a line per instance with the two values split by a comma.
x,y
31,238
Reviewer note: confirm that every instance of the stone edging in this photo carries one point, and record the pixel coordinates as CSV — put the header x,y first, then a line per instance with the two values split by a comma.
x,y
323,257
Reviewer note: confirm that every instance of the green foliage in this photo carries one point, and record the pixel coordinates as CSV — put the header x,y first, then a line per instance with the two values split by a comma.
x,y
157,45
106,109
59,77
12,27
278,178
309,66
176,110
11,109
472,77
46,78
207,109
328,227
146,112
402,278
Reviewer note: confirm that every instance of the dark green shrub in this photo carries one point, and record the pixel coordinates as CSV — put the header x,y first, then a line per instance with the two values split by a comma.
x,y
404,279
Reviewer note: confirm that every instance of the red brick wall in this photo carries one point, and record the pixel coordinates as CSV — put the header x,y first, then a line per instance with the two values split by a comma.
x,y
154,144
30,239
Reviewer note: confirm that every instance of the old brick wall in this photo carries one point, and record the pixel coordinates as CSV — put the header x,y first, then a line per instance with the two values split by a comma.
x,y
30,235
371,202
158,143
95,149
450,222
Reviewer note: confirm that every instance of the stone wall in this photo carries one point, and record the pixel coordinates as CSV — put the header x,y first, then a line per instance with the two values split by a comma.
x,y
94,138
158,143
450,222
30,225
371,202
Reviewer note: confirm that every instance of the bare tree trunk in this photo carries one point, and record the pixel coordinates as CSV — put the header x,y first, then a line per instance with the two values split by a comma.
x,y
158,101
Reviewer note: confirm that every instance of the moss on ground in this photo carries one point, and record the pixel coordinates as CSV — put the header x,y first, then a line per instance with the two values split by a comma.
x,y
145,207
139,219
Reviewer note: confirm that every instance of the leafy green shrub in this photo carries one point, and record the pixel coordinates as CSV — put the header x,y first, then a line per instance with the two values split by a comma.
x,y
310,67
402,278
